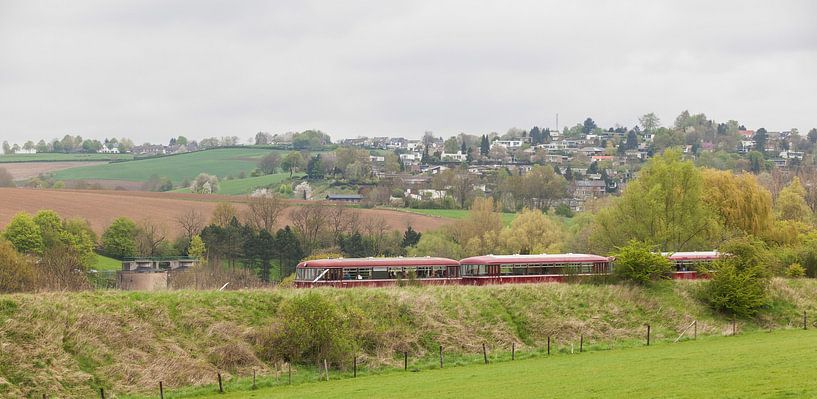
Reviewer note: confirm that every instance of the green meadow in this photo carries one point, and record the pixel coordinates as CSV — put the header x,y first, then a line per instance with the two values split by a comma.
x,y
757,365
221,162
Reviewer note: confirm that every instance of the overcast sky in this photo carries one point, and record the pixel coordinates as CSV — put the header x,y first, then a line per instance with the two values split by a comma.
x,y
150,70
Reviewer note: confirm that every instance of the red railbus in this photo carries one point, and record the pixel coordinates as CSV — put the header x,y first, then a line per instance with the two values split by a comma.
x,y
687,263
376,272
500,269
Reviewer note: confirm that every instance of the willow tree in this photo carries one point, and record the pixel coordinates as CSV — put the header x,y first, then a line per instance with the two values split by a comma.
x,y
740,200
791,203
664,206
532,232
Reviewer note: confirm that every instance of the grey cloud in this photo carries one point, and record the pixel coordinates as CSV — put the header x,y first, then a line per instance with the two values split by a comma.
x,y
159,68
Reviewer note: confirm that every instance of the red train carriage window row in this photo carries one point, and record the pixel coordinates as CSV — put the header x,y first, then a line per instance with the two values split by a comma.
x,y
376,273
535,269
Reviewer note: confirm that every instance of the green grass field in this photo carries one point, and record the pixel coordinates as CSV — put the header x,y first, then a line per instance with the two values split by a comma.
x,y
103,263
249,184
54,157
507,218
220,162
759,364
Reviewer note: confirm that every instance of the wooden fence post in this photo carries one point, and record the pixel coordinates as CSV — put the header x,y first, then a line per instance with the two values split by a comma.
x,y
354,367
405,360
581,343
648,335
253,379
548,345
161,391
441,356
289,367
326,368
734,325
696,330
484,354
220,386
513,350
804,321
102,393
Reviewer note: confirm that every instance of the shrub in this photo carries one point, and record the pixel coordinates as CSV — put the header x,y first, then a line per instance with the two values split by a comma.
x,y
638,262
311,329
795,270
740,280
16,271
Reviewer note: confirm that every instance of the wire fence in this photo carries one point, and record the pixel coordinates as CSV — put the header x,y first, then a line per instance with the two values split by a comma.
x,y
285,373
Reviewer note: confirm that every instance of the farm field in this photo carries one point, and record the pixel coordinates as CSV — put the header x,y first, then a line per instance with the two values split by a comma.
x,y
220,162
27,170
247,185
53,157
760,364
507,218
102,207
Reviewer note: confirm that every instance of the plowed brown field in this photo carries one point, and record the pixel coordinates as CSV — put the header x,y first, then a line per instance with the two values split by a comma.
x,y
27,170
101,207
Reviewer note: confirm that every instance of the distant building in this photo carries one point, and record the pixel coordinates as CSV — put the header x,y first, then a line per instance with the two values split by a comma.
x,y
354,198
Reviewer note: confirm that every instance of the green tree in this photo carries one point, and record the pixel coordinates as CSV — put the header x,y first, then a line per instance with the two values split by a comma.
x,y
641,263
354,246
119,239
314,170
664,206
756,162
649,122
588,126
740,280
484,145
451,145
761,137
812,136
410,237
436,243
289,250
292,162
24,234
791,203
740,200
197,249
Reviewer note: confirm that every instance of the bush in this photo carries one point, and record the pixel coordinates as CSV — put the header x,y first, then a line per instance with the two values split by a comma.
x,y
740,280
795,270
640,263
311,329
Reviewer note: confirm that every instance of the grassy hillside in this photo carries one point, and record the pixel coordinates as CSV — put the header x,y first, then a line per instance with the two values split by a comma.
x,y
103,263
59,157
249,184
754,365
220,162
69,344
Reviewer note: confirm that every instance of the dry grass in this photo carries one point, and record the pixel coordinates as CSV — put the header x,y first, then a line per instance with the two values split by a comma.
x,y
68,344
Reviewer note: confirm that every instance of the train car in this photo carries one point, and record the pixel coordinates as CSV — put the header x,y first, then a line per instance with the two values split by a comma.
x,y
376,272
687,263
501,269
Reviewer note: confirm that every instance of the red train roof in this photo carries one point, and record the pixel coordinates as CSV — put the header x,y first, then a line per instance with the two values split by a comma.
x,y
532,259
373,262
699,255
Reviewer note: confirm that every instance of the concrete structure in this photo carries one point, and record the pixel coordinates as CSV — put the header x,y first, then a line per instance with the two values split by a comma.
x,y
150,274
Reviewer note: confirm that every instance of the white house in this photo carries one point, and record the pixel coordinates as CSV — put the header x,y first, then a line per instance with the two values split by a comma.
x,y
507,143
106,150
458,156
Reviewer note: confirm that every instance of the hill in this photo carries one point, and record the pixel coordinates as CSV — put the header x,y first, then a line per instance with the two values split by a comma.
x,y
69,344
221,162
61,157
101,207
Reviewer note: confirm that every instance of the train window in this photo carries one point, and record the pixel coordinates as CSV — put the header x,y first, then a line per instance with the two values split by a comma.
x,y
506,270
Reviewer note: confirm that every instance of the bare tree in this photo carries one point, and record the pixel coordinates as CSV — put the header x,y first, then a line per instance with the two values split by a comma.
x,y
311,223
376,228
191,222
148,238
343,220
263,211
